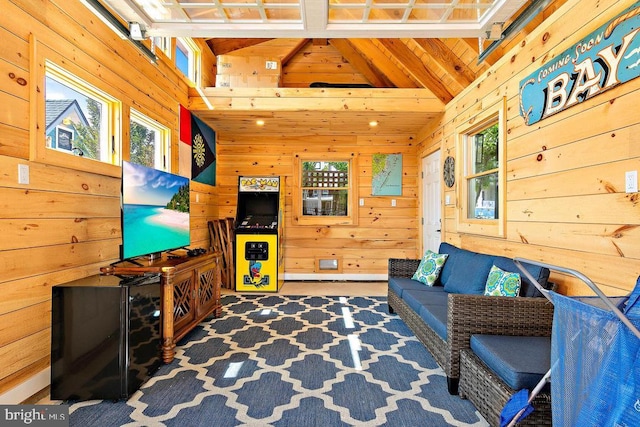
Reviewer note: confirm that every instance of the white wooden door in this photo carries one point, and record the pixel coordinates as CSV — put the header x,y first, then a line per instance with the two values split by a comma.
x,y
431,206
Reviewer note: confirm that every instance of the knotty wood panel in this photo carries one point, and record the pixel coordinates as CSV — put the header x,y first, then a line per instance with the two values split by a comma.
x,y
65,224
21,375
566,203
319,64
21,293
23,353
20,323
381,228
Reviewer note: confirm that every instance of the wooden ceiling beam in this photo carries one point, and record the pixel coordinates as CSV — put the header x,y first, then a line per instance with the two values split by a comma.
x,y
360,63
385,66
249,100
416,68
447,60
223,46
295,49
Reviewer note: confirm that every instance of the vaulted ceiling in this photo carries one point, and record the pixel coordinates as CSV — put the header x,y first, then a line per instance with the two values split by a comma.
x,y
440,47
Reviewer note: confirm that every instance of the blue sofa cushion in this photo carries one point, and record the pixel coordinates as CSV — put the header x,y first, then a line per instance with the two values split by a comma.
x,y
519,361
445,273
465,272
527,289
435,316
417,298
400,284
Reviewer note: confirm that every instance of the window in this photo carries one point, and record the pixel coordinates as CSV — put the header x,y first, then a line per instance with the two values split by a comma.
x,y
161,43
482,181
188,59
325,191
80,120
482,185
148,142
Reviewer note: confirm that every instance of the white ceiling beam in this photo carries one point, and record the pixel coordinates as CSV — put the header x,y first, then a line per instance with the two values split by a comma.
x,y
313,23
315,15
271,30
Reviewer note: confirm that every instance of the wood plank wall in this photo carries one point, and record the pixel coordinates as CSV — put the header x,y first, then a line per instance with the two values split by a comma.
x,y
315,61
381,230
320,62
570,207
65,224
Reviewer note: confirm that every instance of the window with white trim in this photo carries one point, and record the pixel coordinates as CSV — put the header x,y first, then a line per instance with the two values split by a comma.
x,y
80,119
482,184
188,59
148,142
163,44
325,190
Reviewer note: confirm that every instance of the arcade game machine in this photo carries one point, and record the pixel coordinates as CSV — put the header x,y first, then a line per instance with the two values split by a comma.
x,y
259,234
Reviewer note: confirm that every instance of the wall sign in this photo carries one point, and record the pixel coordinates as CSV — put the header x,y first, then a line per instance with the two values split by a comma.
x,y
604,59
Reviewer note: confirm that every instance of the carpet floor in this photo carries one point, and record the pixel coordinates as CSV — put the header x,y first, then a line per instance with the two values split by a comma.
x,y
280,361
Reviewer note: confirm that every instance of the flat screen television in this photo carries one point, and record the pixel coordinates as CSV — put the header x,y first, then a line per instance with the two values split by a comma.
x,y
155,211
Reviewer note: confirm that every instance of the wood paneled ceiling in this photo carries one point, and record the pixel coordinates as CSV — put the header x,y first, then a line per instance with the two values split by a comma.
x,y
432,47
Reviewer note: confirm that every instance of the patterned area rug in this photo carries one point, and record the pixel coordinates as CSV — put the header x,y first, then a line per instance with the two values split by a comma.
x,y
292,361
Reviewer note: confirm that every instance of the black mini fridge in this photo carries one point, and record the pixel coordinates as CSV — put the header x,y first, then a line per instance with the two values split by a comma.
x,y
105,336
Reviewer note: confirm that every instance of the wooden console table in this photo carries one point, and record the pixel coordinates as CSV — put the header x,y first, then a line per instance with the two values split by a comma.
x,y
190,290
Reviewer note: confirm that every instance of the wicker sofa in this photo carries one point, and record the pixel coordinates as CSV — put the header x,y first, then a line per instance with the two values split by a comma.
x,y
444,321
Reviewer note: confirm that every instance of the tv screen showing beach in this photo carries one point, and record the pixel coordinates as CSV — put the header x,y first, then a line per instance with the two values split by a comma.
x,y
155,211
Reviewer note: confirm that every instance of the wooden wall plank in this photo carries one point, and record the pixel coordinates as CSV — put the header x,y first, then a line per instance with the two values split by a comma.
x,y
22,233
41,204
21,375
20,354
566,203
35,289
28,321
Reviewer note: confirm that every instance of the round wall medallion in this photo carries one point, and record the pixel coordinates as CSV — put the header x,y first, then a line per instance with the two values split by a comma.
x,y
449,171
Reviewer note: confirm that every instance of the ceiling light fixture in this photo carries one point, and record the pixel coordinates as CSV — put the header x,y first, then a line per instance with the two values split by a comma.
x,y
373,123
260,122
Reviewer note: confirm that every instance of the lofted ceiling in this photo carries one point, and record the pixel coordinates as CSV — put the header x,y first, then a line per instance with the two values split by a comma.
x,y
317,18
435,47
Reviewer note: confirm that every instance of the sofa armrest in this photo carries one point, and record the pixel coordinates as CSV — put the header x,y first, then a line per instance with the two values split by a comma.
x,y
479,314
402,267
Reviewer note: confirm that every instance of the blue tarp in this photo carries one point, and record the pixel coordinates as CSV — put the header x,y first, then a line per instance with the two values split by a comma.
x,y
595,360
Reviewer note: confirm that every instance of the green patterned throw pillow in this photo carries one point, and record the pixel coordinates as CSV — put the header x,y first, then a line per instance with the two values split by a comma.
x,y
429,269
502,283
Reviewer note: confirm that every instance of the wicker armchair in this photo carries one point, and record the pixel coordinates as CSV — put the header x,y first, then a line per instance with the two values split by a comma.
x,y
468,315
489,394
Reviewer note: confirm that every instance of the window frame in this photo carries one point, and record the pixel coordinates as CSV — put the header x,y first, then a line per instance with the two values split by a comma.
x,y
162,151
194,59
487,118
46,63
352,207
162,44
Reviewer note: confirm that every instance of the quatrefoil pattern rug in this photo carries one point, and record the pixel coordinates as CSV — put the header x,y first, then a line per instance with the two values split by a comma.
x,y
274,360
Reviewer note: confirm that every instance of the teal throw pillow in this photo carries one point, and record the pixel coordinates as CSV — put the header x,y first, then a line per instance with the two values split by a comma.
x,y
429,269
502,283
